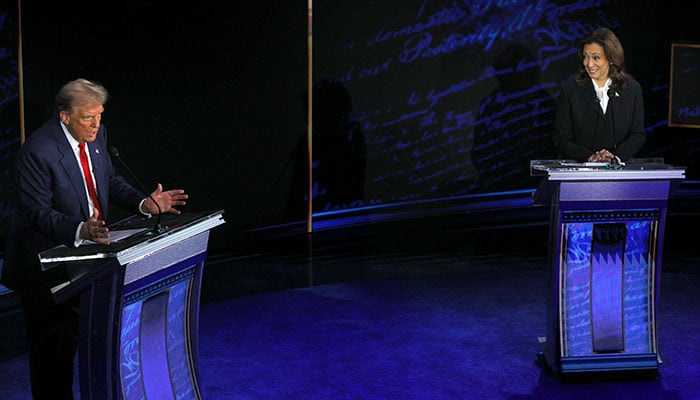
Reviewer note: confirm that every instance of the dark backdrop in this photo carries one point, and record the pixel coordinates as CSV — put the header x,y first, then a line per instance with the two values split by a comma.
x,y
455,98
430,99
202,98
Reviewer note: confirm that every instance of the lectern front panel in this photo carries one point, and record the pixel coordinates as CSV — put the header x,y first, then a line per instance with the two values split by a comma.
x,y
156,346
607,285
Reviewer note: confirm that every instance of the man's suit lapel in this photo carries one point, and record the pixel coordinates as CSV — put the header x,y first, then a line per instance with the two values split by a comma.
x,y
66,158
99,168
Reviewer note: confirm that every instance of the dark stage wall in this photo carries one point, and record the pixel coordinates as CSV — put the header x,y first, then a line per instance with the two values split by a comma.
x,y
417,100
455,98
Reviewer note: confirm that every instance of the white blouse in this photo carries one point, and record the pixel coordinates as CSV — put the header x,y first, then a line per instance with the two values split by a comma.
x,y
602,94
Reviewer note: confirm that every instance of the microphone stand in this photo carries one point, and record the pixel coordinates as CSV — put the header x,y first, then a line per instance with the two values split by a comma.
x,y
616,160
158,228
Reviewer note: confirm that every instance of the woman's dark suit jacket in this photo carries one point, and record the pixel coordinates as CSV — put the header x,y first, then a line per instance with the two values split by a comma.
x,y
581,128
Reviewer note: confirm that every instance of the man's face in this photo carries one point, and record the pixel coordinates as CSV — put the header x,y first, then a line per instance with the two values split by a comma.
x,y
83,121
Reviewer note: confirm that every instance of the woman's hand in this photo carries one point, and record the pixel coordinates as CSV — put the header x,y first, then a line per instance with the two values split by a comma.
x,y
601,155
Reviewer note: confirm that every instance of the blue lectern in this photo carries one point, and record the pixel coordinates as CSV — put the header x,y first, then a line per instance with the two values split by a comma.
x,y
606,241
139,302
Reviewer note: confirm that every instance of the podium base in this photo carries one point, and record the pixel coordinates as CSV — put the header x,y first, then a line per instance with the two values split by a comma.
x,y
600,362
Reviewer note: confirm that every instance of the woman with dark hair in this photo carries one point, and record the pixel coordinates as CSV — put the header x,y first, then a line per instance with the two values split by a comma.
x,y
600,111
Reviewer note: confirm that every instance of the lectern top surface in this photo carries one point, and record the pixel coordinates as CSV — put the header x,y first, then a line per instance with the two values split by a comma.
x,y
143,236
643,168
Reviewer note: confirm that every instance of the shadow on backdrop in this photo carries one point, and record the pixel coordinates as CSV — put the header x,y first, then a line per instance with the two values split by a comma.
x,y
515,126
338,155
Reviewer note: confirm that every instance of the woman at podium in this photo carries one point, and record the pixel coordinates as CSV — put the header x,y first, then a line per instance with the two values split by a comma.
x,y
600,110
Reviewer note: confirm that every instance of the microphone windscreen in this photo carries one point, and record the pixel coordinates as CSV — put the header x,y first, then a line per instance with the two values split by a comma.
x,y
113,151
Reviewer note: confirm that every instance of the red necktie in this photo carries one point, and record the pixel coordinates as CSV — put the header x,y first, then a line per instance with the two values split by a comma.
x,y
88,180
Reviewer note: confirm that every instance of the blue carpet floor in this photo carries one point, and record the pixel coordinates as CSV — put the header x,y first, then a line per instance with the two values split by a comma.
x,y
467,332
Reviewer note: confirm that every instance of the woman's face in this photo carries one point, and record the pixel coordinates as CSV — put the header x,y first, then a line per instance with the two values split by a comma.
x,y
595,62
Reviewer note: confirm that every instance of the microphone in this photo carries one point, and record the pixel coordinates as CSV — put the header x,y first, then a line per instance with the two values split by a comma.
x,y
611,93
158,227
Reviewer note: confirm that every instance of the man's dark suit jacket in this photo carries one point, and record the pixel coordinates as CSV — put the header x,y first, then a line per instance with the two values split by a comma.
x,y
581,128
50,200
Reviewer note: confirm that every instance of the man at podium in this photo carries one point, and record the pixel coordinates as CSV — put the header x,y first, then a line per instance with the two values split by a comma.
x,y
63,181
